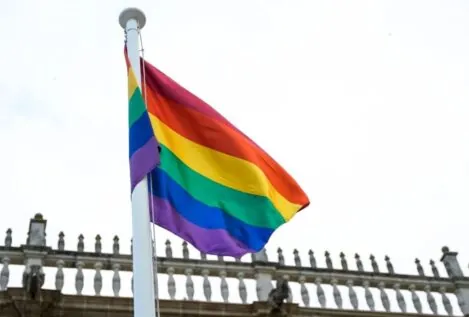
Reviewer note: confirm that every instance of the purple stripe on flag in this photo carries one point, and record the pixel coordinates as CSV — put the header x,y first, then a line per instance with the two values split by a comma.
x,y
144,161
210,241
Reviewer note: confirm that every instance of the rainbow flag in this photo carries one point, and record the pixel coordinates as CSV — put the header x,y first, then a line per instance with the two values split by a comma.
x,y
210,184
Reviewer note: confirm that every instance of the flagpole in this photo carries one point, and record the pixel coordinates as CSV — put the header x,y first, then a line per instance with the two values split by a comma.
x,y
132,20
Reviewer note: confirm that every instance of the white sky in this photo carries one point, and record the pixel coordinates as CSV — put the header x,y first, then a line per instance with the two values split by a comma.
x,y
364,102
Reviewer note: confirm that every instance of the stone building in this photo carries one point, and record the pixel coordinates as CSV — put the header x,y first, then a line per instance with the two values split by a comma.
x,y
344,290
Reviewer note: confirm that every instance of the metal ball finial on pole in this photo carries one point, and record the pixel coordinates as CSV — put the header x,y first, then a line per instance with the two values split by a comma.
x,y
133,20
132,14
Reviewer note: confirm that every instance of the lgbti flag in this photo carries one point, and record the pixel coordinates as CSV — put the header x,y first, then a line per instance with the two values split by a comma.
x,y
209,183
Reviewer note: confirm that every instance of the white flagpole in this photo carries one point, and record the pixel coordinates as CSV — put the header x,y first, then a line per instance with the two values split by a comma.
x,y
133,20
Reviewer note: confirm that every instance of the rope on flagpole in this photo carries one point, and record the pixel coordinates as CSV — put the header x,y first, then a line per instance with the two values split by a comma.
x,y
152,207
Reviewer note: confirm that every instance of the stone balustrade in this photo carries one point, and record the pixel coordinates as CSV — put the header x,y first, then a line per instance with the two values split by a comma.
x,y
344,286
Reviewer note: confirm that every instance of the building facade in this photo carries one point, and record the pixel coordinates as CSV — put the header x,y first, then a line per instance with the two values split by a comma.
x,y
329,291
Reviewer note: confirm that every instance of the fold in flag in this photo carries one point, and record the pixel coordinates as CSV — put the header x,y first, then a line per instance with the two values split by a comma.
x,y
209,183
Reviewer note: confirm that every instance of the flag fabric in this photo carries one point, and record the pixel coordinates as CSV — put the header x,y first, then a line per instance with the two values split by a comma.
x,y
210,184
143,146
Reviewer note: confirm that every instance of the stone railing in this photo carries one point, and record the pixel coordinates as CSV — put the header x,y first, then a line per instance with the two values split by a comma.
x,y
340,288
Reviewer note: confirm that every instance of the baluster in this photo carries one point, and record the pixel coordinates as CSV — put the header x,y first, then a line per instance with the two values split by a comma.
x,y
171,283
258,286
446,303
312,259
98,246
26,271
203,256
304,291
320,292
220,258
389,265
189,283
59,275
206,285
369,296
290,294
42,275
296,257
400,298
384,297
116,279
431,300
336,294
459,297
359,263
415,299
343,261
81,243
419,268
352,294
79,277
61,242
243,295
328,260
224,286
280,257
434,269
185,251
5,274
98,277
8,238
238,259
374,264
115,245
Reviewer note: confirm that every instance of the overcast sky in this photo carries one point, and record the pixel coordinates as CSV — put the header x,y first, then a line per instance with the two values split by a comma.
x,y
365,103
